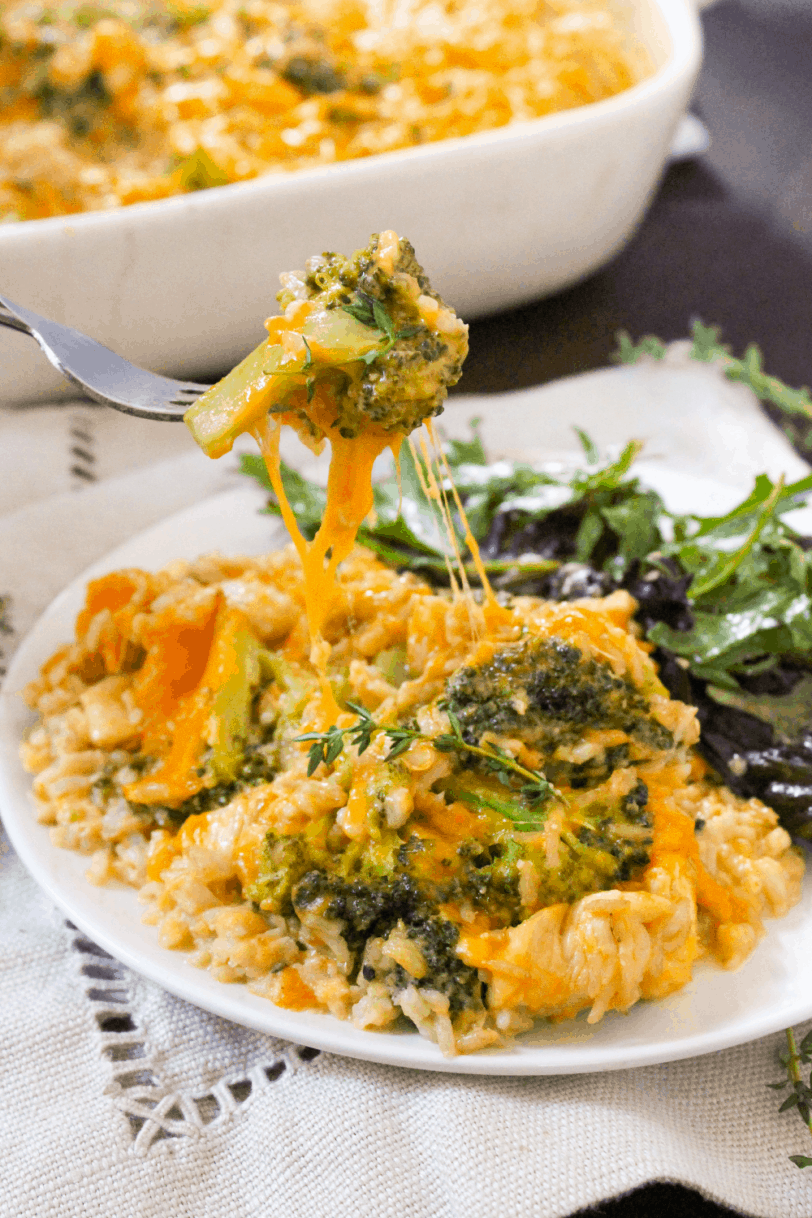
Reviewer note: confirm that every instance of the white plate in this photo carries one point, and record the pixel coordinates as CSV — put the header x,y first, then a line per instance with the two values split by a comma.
x,y
718,1009
181,285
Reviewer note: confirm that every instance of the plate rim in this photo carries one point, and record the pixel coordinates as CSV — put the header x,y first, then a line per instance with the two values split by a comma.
x,y
173,972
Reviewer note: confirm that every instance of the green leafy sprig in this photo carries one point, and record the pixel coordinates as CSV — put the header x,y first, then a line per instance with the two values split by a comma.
x,y
326,747
800,1096
536,787
750,588
707,348
370,312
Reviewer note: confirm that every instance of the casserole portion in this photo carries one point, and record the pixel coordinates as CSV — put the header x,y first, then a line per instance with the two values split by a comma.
x,y
505,822
106,104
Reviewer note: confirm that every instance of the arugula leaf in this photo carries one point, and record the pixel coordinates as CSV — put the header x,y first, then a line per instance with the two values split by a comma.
x,y
635,521
591,450
402,513
724,568
254,466
467,452
631,353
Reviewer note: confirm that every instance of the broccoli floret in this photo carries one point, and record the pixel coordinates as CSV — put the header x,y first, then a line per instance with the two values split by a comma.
x,y
288,858
407,379
256,766
622,835
371,909
545,692
487,878
607,844
376,348
80,109
366,909
300,875
313,75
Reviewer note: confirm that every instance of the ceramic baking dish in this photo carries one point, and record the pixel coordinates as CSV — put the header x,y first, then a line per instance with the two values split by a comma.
x,y
182,285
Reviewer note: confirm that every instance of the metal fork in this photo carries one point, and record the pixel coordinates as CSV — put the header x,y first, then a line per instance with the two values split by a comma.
x,y
99,372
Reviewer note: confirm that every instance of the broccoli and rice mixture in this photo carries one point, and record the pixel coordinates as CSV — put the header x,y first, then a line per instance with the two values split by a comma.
x,y
508,820
124,101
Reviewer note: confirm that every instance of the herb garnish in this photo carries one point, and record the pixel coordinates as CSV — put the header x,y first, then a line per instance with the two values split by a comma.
x,y
370,312
800,1096
328,746
707,349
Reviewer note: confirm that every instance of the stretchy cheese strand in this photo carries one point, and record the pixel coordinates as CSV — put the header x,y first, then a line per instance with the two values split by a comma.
x,y
470,540
432,499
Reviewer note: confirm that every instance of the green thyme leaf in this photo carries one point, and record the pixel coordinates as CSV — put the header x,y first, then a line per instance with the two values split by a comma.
x,y
801,1095
631,353
362,308
382,320
328,746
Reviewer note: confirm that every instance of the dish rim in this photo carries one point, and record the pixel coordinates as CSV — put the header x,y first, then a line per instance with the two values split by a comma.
x,y
60,874
680,17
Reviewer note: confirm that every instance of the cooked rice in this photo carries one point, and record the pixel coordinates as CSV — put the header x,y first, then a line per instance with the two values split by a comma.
x,y
714,865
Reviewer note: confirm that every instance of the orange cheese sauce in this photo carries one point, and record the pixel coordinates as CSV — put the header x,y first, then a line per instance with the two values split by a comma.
x,y
674,838
349,502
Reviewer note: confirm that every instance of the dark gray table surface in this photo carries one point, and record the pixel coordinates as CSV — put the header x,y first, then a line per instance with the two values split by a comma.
x,y
728,239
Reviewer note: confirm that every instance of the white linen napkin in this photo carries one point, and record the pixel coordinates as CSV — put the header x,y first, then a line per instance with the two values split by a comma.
x,y
117,1099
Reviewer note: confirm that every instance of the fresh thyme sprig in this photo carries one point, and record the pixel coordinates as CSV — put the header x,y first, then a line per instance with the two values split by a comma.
x,y
328,746
707,349
800,1096
371,312
536,789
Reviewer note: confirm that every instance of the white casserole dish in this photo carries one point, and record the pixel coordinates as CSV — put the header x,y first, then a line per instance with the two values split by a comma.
x,y
181,285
